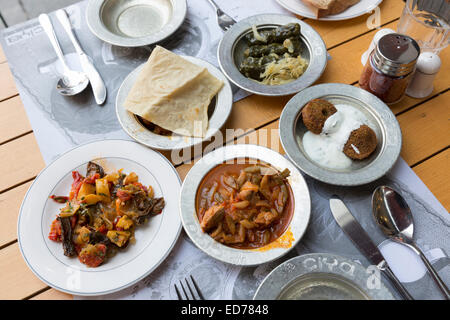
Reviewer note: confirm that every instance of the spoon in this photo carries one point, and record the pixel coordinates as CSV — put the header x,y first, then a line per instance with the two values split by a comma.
x,y
72,82
393,216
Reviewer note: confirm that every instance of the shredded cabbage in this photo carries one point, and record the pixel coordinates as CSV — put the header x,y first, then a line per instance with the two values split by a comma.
x,y
284,70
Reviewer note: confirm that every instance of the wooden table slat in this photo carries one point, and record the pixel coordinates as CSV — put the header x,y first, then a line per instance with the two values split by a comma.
x,y
21,161
435,174
7,84
425,129
10,202
2,55
336,32
52,294
13,119
17,280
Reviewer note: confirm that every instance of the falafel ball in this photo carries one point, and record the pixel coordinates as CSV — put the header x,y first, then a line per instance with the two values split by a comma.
x,y
361,143
315,113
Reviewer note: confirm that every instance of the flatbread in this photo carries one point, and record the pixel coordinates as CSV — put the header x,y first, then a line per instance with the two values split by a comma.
x,y
173,93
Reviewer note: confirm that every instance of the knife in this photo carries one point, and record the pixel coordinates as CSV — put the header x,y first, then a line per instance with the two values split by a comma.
x,y
97,84
362,241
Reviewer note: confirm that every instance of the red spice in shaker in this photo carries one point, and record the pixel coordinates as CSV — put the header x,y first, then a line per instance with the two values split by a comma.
x,y
390,67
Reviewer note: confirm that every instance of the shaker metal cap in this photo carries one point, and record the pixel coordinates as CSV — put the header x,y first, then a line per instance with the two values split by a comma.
x,y
396,54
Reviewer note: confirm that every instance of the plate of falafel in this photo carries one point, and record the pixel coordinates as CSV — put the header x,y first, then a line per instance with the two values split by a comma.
x,y
340,134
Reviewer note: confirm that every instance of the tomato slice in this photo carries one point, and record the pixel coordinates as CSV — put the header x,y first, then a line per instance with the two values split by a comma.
x,y
123,195
55,231
76,184
91,179
93,257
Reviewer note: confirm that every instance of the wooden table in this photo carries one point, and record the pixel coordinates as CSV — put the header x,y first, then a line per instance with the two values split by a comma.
x,y
424,123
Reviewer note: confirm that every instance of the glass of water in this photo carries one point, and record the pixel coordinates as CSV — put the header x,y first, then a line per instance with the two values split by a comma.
x,y
427,22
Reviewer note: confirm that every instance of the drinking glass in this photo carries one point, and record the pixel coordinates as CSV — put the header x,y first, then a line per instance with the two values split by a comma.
x,y
427,22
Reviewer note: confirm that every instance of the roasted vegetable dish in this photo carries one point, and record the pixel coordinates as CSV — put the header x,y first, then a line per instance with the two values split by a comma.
x,y
245,205
273,57
101,213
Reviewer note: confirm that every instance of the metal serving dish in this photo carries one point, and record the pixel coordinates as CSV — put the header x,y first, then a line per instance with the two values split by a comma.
x,y
243,257
321,276
231,48
135,23
218,112
387,129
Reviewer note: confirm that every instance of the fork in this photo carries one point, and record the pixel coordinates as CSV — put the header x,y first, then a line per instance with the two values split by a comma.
x,y
225,21
193,293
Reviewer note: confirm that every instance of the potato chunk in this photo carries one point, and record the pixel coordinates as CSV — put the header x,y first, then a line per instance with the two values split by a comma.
x,y
119,238
86,189
124,223
91,199
102,189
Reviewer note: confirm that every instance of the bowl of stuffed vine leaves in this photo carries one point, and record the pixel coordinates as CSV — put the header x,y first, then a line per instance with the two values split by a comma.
x,y
272,55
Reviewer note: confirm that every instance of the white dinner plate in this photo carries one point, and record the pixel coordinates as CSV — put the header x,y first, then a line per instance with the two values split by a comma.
x,y
302,9
154,240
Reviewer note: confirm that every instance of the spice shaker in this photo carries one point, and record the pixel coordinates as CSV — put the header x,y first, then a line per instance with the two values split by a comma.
x,y
428,65
374,42
390,67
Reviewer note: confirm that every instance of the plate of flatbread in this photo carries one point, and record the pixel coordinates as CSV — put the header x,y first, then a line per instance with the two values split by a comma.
x,y
173,102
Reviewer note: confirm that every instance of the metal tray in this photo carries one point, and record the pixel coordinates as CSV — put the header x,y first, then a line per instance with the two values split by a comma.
x,y
218,112
135,23
321,276
243,257
361,172
231,48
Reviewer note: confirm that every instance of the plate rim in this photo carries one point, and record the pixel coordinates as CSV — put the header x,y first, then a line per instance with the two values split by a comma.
x,y
101,32
316,47
390,124
225,95
331,17
294,273
213,248
80,293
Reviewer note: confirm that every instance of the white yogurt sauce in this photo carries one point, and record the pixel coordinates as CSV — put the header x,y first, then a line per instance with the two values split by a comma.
x,y
326,148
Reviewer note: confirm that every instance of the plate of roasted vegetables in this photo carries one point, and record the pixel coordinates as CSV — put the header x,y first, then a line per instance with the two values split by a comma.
x,y
100,217
272,54
245,205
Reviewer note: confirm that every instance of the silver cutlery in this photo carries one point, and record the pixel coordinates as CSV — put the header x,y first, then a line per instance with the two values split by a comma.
x,y
362,241
72,82
97,84
225,21
393,216
194,291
